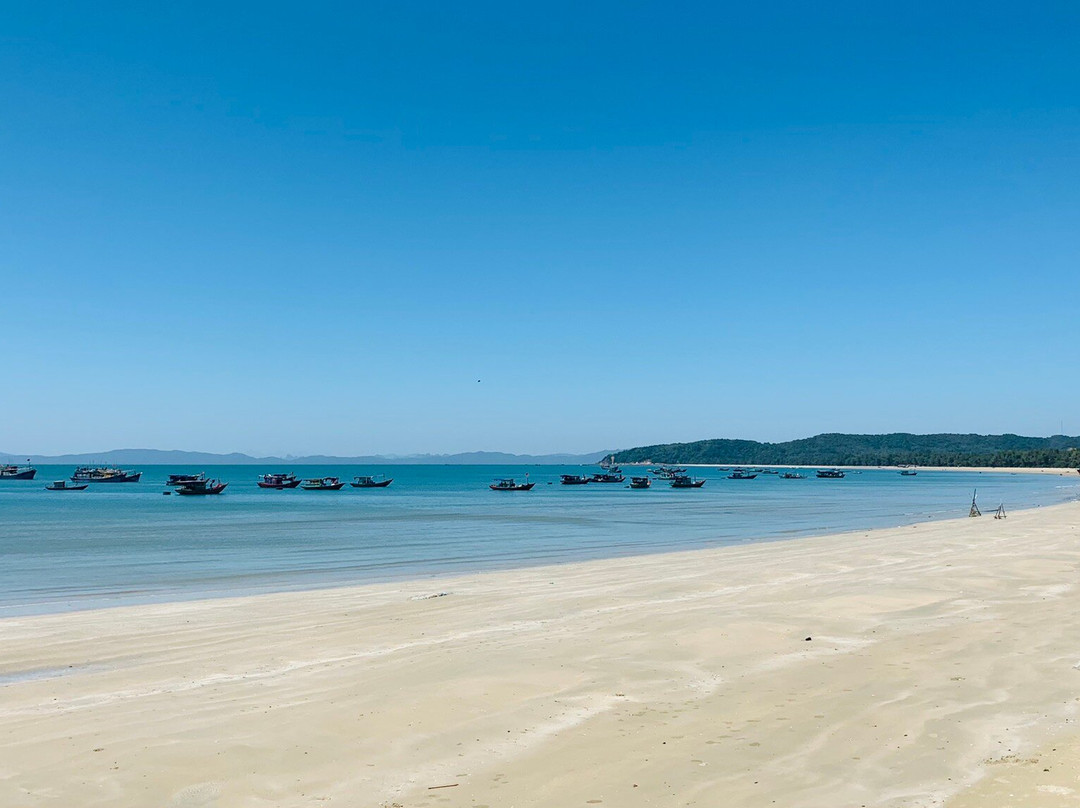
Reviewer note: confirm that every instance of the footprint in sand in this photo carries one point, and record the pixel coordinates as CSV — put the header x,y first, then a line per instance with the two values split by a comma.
x,y
199,795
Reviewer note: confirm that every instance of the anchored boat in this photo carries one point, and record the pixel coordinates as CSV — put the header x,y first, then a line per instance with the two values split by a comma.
x,y
573,479
741,474
104,474
830,474
682,481
278,481
371,482
322,484
640,482
201,488
508,484
183,479
610,476
12,472
61,485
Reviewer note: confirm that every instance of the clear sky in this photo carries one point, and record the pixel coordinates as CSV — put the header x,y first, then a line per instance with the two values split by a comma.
x,y
300,228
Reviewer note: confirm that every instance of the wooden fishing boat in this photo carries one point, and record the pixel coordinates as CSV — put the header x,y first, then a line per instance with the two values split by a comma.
x,y
830,474
574,479
278,481
611,476
61,485
640,482
9,471
741,474
509,484
322,484
104,474
201,488
371,482
183,479
682,481
792,475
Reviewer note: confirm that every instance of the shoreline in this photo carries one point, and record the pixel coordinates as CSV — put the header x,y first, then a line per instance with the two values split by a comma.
x,y
1060,472
935,648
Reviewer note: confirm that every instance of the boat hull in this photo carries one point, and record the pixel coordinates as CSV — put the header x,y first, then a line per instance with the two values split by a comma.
x,y
379,484
279,486
522,487
334,487
82,487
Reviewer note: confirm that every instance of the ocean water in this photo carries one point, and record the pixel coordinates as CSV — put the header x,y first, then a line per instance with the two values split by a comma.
x,y
126,543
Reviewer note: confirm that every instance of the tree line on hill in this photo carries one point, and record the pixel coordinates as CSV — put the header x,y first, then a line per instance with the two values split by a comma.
x,y
896,449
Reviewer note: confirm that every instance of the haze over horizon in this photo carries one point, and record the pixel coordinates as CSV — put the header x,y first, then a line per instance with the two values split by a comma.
x,y
403,229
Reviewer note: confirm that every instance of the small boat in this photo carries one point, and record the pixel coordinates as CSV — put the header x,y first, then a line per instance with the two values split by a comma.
x,y
182,479
12,472
322,484
741,474
371,482
682,481
666,472
908,472
61,485
574,479
610,476
104,474
792,475
200,488
830,474
508,484
278,481
640,482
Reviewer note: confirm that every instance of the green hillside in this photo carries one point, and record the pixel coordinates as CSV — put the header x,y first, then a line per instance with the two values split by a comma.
x,y
897,449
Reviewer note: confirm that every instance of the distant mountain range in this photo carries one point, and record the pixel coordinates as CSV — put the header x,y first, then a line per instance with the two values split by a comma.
x,y
896,449
158,457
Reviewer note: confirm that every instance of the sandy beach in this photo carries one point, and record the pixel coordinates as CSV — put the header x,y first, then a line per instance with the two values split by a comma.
x,y
919,666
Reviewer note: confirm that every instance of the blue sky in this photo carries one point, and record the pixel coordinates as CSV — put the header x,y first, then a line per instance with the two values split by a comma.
x,y
312,228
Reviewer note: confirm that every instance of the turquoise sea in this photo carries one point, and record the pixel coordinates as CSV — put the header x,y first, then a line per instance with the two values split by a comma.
x,y
126,543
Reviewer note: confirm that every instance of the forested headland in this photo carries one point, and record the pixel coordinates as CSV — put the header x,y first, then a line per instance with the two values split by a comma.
x,y
896,449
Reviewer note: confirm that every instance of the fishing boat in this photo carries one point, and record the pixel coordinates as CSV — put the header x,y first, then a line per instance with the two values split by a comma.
x,y
792,475
682,481
371,482
182,479
640,482
278,481
574,479
509,484
830,474
12,472
104,474
741,474
908,472
609,476
322,484
61,485
200,488
667,472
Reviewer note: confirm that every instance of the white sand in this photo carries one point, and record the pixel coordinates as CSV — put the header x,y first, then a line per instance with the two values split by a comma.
x,y
942,655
